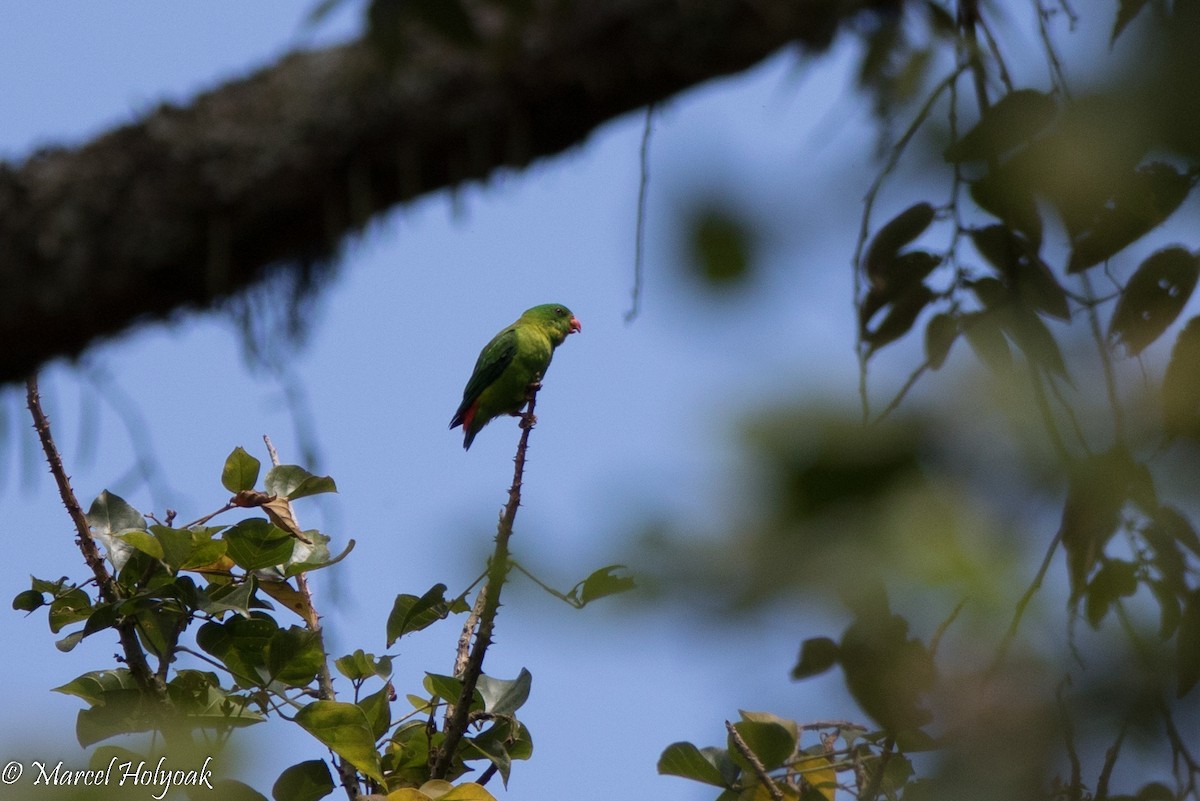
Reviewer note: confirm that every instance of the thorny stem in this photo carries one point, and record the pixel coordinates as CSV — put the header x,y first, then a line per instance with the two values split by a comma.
x,y
110,591
312,621
755,763
458,716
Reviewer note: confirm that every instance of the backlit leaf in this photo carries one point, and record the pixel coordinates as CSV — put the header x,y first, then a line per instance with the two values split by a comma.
x,y
344,728
1181,385
686,760
1015,119
1153,298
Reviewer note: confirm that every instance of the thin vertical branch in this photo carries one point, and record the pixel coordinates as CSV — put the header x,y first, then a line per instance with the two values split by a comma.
x,y
312,621
1019,612
639,237
458,717
755,763
110,592
1110,380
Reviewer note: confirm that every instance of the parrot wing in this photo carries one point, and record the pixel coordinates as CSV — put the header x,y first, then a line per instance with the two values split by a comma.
x,y
493,361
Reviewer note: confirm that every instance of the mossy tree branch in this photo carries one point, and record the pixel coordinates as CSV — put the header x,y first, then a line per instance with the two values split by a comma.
x,y
191,205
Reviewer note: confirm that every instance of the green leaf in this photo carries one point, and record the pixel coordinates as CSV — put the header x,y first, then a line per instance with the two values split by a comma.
x,y
121,711
817,655
940,333
986,338
28,600
601,583
899,320
345,730
110,515
198,695
1138,204
1035,340
1006,195
361,665
378,708
304,781
1027,277
70,607
886,671
256,543
1098,487
504,741
240,471
1114,580
880,260
293,482
686,760
145,542
91,687
1187,640
294,655
770,741
410,613
234,790
232,597
1153,298
1181,385
204,550
504,697
1014,120
240,643
450,688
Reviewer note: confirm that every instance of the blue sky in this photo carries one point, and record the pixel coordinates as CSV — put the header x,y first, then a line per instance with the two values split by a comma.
x,y
635,420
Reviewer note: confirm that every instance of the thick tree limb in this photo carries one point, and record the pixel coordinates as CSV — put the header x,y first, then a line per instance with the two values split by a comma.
x,y
191,204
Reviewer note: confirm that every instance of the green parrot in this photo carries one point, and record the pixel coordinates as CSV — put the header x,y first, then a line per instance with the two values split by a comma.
x,y
509,364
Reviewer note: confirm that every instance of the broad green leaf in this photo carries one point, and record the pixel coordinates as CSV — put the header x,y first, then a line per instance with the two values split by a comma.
x,y
110,515
1009,197
232,597
410,613
885,245
294,655
70,607
771,742
506,740
122,711
886,671
986,338
1177,526
900,318
304,781
1187,639
1153,298
1027,277
1114,580
293,482
1035,340
92,686
467,791
68,643
504,697
28,600
1097,488
345,730
1170,610
378,708
1140,203
256,543
241,644
234,790
240,471
204,549
940,333
174,545
601,583
818,773
817,655
1014,120
145,542
450,688
1181,385
686,760
361,665
198,695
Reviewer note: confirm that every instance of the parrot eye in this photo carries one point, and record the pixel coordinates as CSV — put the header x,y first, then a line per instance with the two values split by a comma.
x,y
559,311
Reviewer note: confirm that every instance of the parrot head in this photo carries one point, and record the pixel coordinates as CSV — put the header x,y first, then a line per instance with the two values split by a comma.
x,y
556,318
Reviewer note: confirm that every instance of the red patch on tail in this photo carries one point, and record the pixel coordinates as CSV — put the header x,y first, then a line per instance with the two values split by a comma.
x,y
469,415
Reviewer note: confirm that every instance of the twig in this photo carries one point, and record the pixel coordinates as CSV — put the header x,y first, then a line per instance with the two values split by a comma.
x,y
1110,381
312,621
876,783
936,639
1110,761
464,639
458,717
1076,786
1019,612
899,398
639,243
110,591
759,770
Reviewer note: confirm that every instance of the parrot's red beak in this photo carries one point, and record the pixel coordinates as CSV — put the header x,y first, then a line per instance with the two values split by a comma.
x,y
575,325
